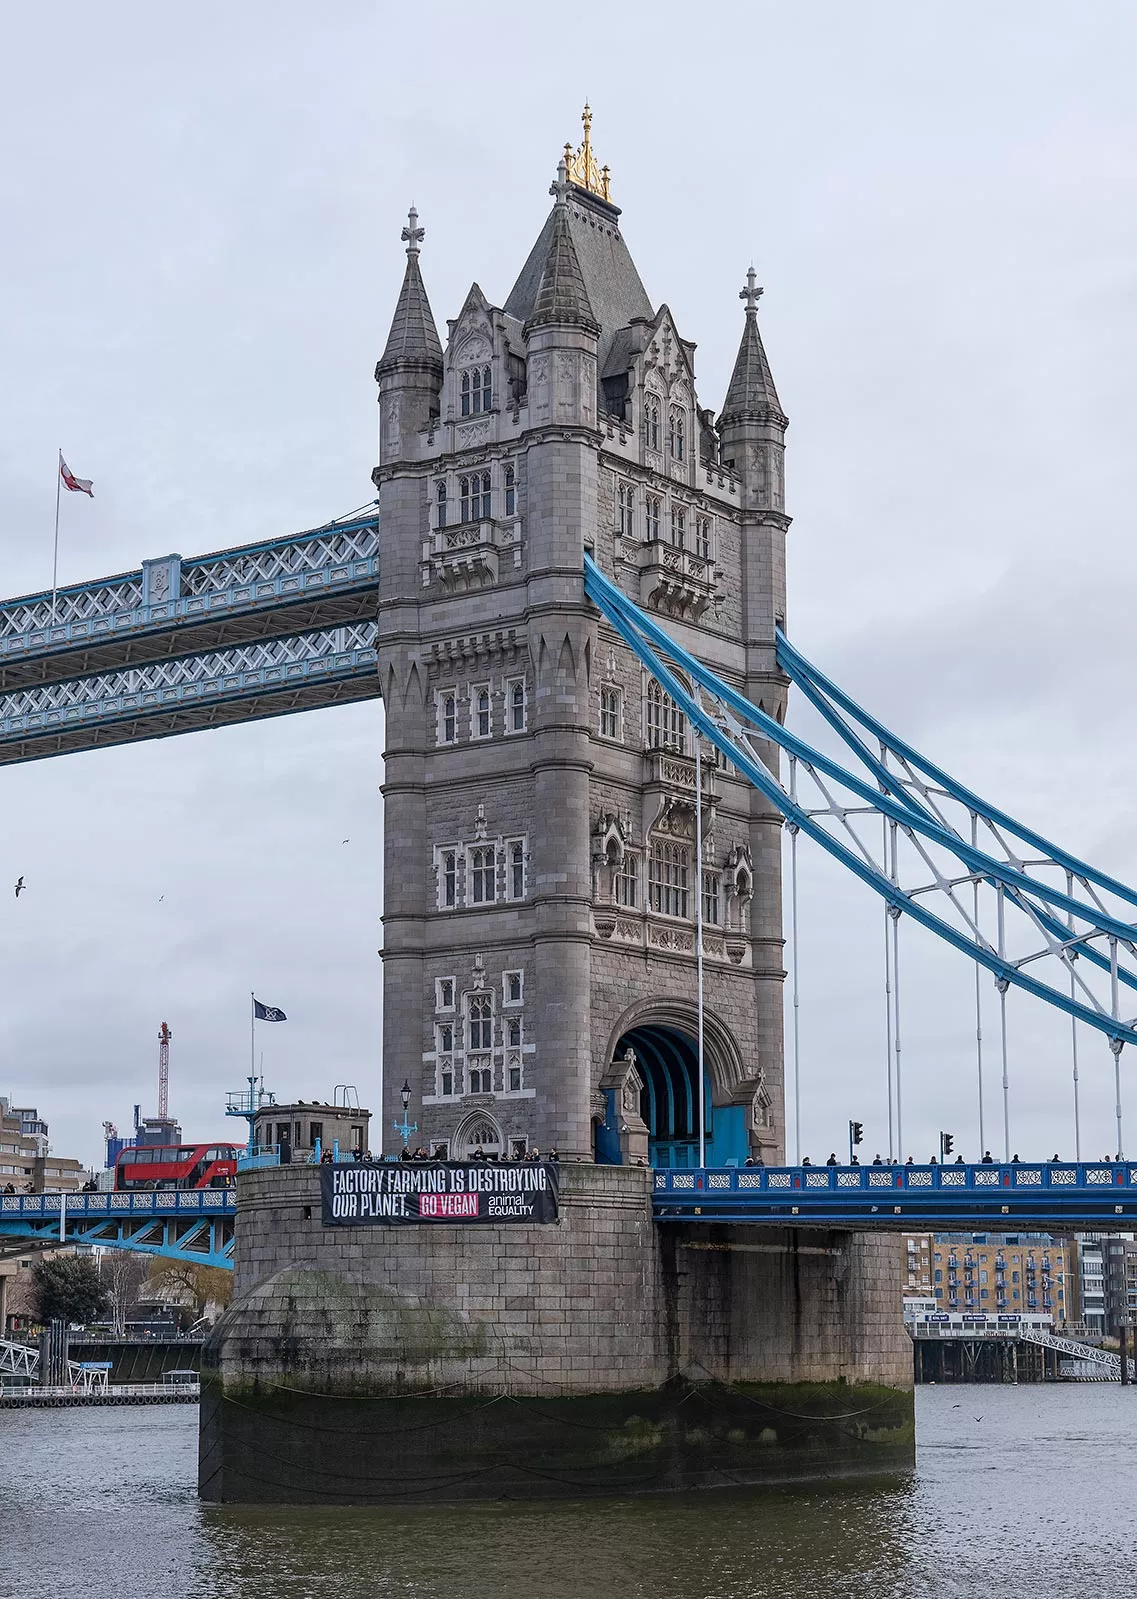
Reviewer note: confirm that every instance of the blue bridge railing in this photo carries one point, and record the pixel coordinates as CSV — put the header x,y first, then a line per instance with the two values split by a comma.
x,y
1101,1194
195,1225
148,1202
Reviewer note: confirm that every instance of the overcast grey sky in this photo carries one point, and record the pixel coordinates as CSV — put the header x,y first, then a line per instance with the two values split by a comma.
x,y
199,255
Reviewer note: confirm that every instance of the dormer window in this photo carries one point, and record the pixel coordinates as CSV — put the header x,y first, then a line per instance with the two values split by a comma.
x,y
677,435
651,424
476,499
477,391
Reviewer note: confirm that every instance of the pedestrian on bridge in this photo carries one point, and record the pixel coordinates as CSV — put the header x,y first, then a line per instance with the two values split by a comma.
x,y
832,1161
988,1158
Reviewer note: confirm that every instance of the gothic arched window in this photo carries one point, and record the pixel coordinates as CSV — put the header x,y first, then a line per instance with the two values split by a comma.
x,y
669,868
677,435
487,497
510,491
483,722
651,424
665,726
479,1022
476,391
517,870
440,501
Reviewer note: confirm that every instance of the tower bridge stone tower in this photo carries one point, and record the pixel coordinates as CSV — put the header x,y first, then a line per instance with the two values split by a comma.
x,y
540,871
539,959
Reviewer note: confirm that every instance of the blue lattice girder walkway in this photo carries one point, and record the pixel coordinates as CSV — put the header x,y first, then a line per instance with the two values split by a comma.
x,y
310,581
1099,1196
195,1226
263,630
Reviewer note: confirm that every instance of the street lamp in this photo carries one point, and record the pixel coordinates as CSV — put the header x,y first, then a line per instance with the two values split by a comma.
x,y
405,1127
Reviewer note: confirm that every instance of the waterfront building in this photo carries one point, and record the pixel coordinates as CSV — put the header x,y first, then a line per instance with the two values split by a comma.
x,y
1119,1260
302,1125
916,1267
27,1162
1012,1273
1089,1256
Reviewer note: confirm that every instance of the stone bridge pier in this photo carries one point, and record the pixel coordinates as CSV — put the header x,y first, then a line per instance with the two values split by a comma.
x,y
604,1354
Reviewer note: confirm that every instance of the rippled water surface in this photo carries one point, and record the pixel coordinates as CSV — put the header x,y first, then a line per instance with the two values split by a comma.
x,y
1017,1492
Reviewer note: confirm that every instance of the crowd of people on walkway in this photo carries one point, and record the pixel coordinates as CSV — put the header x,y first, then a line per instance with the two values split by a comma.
x,y
439,1153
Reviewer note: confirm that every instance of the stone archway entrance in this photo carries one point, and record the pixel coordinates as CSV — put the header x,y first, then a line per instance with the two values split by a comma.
x,y
668,1064
480,1131
650,1101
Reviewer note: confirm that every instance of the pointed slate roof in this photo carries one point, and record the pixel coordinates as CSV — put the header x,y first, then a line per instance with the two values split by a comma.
x,y
612,286
413,337
561,295
751,395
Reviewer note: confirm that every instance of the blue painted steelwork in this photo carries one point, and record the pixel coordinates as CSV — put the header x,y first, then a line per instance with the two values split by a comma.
x,y
161,699
172,607
195,1225
730,722
986,1198
257,631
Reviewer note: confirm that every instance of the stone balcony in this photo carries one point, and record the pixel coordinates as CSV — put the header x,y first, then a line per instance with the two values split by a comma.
x,y
469,555
676,581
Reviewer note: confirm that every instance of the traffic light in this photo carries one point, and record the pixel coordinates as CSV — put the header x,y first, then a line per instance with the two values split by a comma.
x,y
857,1132
947,1144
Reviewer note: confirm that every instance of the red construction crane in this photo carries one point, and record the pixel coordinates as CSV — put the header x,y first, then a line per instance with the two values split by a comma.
x,y
164,1038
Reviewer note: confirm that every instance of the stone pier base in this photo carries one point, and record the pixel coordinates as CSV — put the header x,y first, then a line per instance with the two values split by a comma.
x,y
603,1355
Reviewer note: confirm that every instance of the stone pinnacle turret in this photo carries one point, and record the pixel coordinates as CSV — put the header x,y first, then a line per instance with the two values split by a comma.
x,y
751,395
562,299
413,339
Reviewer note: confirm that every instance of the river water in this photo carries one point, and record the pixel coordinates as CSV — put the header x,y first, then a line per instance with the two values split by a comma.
x,y
1017,1492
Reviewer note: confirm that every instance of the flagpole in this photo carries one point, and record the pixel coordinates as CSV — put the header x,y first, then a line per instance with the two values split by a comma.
x,y
252,1037
55,556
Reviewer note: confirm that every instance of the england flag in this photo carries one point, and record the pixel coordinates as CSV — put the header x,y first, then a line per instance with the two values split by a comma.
x,y
77,485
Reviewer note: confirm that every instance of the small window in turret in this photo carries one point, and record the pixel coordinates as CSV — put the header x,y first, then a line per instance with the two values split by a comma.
x,y
440,502
510,491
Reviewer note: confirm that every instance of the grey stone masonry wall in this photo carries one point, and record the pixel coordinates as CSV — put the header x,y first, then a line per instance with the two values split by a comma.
x,y
604,1300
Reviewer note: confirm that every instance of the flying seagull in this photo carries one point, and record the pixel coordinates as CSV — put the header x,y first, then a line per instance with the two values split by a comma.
x,y
19,885
345,840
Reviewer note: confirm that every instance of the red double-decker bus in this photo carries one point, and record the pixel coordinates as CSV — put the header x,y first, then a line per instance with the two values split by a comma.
x,y
176,1166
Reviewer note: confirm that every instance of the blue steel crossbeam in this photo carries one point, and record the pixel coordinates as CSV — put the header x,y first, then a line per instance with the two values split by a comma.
x,y
195,1226
1100,1196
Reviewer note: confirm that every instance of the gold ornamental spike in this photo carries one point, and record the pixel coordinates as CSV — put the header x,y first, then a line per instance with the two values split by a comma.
x,y
580,165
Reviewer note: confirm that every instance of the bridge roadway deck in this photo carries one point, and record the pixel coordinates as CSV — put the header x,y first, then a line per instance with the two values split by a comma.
x,y
1096,1196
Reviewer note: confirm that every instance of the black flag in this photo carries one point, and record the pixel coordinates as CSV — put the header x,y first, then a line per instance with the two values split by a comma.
x,y
268,1013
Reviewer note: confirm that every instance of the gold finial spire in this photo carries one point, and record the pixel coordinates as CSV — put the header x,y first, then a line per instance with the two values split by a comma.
x,y
580,166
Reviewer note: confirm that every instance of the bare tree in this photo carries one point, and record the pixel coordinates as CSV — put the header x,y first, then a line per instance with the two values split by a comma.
x,y
122,1273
